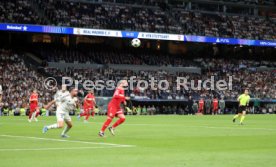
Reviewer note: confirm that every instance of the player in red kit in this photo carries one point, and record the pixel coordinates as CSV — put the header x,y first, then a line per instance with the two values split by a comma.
x,y
88,106
215,106
201,106
114,108
34,110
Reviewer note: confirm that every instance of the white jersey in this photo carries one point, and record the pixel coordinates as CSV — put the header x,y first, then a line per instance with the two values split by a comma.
x,y
1,90
67,103
59,95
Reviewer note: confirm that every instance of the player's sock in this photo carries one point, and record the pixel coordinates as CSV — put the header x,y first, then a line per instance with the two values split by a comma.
x,y
66,129
87,117
118,122
93,114
242,118
236,116
36,114
30,115
33,115
106,124
53,126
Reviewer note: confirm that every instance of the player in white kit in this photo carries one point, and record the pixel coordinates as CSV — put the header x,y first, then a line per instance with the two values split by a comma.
x,y
66,102
60,93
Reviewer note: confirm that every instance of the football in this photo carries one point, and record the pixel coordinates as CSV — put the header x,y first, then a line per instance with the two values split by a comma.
x,y
136,42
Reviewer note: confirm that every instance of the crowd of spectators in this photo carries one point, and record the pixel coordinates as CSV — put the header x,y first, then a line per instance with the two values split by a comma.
x,y
18,11
98,54
61,54
119,17
88,55
250,2
137,18
244,74
220,25
154,19
18,81
135,2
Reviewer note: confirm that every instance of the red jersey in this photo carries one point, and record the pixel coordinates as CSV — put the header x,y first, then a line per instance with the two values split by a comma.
x,y
89,101
34,99
118,98
201,104
215,103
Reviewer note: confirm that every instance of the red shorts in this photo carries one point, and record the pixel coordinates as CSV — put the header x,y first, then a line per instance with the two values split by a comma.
x,y
87,109
215,109
33,108
114,111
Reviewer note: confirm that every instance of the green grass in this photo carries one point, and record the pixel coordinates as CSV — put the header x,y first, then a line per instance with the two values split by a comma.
x,y
159,141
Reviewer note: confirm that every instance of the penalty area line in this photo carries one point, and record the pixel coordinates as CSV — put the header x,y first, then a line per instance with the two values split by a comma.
x,y
71,141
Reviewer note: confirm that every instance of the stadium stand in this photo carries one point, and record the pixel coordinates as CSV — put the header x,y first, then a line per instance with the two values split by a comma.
x,y
245,74
250,2
156,18
19,11
225,26
255,73
259,82
100,55
17,80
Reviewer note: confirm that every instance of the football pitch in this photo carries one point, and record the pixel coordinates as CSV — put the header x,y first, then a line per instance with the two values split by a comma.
x,y
143,141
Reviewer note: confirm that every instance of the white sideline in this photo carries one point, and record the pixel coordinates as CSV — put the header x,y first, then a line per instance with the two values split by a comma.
x,y
47,149
72,141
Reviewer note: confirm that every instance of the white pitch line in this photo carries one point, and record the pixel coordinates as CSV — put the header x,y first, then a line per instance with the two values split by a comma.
x,y
46,149
72,141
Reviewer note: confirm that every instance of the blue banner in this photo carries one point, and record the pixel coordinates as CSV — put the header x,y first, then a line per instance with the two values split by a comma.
x,y
132,34
129,34
36,28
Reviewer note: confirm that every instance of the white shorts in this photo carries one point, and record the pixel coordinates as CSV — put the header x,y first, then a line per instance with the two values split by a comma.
x,y
63,116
